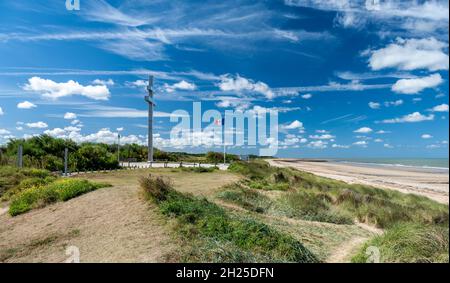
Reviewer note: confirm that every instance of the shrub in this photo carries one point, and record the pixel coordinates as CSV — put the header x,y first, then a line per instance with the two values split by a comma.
x,y
40,196
11,177
156,188
410,243
70,188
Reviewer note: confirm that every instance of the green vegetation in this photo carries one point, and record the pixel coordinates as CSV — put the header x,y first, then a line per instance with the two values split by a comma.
x,y
311,197
217,157
13,180
198,169
408,242
416,227
40,196
46,152
220,236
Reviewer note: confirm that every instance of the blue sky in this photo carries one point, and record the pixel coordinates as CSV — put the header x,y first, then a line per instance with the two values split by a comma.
x,y
349,78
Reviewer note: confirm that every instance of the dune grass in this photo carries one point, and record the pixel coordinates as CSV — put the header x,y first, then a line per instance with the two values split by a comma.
x,y
311,197
409,243
218,235
416,228
59,190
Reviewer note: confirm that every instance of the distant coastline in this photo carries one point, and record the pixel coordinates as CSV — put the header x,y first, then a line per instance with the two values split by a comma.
x,y
441,164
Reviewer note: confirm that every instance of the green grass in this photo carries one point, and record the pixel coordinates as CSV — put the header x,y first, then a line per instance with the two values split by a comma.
x,y
59,190
233,238
311,206
317,198
199,169
249,199
416,227
409,243
12,177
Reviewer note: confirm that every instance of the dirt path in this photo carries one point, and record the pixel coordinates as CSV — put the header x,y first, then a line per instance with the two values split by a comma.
x,y
108,225
342,254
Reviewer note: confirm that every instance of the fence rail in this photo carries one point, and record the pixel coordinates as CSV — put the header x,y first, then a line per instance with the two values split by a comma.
x,y
148,165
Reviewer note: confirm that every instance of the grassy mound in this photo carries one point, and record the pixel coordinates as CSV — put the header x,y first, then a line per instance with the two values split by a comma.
x,y
232,238
40,196
12,177
409,243
311,197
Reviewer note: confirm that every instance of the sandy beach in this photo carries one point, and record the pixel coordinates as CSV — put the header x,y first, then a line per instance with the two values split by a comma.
x,y
429,183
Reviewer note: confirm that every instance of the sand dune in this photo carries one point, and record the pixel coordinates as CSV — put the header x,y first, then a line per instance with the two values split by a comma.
x,y
432,184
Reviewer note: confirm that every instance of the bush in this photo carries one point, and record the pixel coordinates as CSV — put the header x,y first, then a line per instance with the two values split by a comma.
x,y
40,196
410,243
252,170
156,188
11,178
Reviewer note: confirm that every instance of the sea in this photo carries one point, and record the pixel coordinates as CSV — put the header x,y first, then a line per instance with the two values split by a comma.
x,y
440,164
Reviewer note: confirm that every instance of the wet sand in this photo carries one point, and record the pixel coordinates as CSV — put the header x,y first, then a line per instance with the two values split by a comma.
x,y
430,183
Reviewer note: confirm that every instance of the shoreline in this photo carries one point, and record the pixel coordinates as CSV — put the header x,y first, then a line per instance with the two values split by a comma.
x,y
431,183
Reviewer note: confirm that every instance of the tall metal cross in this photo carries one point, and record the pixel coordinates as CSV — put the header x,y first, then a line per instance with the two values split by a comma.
x,y
151,104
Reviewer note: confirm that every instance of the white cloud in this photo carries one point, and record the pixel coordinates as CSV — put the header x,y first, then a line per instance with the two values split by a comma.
x,y
294,125
137,83
411,54
182,85
378,140
386,145
4,132
322,131
363,130
322,137
410,118
387,14
104,135
70,116
361,143
26,105
307,96
339,146
109,82
39,125
414,86
53,90
56,132
393,103
426,136
318,144
382,132
229,83
374,105
1,111
235,102
440,108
